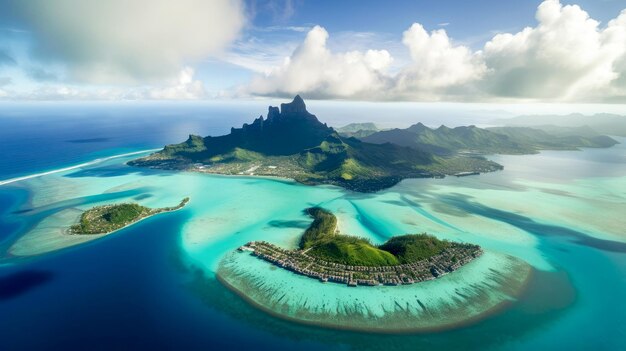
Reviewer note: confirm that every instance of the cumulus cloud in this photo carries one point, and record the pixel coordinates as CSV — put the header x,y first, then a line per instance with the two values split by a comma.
x,y
437,63
314,69
118,41
185,88
566,56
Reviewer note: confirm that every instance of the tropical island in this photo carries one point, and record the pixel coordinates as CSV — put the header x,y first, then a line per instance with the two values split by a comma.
x,y
292,143
329,256
404,285
109,218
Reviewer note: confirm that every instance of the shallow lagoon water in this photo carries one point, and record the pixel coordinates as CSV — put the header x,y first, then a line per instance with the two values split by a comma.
x,y
487,284
561,212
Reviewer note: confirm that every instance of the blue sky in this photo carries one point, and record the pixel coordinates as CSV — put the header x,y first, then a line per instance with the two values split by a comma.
x,y
422,51
467,19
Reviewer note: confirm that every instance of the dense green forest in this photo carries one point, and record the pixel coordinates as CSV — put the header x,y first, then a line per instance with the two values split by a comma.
x,y
108,218
323,242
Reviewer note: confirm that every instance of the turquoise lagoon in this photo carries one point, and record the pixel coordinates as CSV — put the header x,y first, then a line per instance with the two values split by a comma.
x,y
559,215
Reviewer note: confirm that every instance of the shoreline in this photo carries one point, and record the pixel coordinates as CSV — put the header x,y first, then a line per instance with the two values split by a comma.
x,y
436,328
66,232
228,175
274,177
261,176
68,240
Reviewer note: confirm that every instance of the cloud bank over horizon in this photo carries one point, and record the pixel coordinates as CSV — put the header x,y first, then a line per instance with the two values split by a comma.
x,y
121,42
194,49
567,56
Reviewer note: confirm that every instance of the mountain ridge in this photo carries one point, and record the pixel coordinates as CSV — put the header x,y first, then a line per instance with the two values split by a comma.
x,y
293,143
494,140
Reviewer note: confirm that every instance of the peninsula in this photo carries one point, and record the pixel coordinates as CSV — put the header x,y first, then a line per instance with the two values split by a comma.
x,y
109,218
293,143
330,257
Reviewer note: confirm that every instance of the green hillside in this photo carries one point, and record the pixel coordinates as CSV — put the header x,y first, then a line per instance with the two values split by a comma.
x,y
293,143
358,130
324,224
108,218
322,241
350,250
105,219
445,141
414,247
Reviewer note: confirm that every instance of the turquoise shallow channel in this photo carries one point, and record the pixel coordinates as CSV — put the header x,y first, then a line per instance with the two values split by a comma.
x,y
552,226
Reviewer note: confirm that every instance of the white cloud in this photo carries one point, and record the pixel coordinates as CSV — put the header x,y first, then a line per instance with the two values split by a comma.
x,y
314,69
185,88
437,63
567,56
118,41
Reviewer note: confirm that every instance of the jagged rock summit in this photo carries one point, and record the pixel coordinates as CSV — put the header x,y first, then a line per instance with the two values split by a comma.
x,y
288,113
286,131
295,107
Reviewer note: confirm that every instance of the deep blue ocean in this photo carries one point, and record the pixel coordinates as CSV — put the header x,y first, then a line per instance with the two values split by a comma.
x,y
125,292
131,291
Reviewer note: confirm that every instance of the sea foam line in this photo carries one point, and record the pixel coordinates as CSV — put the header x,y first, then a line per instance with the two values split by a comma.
x,y
96,161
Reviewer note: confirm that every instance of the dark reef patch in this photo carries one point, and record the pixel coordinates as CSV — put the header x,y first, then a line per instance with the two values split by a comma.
x,y
300,224
142,197
19,283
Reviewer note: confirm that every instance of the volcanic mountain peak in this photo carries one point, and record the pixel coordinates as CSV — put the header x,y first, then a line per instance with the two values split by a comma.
x,y
294,107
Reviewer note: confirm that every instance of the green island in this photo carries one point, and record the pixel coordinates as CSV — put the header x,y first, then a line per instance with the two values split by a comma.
x,y
109,218
293,143
329,256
